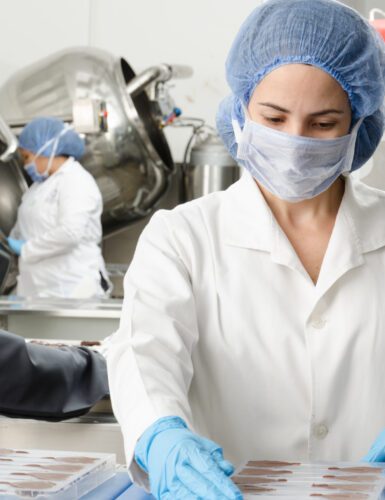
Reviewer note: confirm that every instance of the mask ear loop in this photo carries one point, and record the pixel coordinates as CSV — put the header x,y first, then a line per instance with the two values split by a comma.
x,y
353,140
236,127
237,131
352,148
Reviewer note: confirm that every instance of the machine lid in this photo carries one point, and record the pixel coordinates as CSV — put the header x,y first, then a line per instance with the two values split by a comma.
x,y
145,112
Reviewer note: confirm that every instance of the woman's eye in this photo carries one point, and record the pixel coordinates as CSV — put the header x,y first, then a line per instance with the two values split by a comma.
x,y
273,119
324,125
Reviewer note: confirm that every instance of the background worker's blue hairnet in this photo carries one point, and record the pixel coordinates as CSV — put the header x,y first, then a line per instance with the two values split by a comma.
x,y
323,33
40,131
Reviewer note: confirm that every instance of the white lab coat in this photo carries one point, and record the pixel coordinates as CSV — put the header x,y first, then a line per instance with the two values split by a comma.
x,y
60,220
222,326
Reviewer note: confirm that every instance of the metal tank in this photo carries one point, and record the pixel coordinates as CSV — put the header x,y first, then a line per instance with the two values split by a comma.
x,y
12,186
210,167
12,180
126,150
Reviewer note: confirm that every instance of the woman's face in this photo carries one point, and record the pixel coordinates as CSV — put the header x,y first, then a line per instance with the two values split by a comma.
x,y
301,100
40,161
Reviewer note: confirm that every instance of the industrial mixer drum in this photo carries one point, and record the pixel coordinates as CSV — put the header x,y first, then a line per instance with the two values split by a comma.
x,y
127,154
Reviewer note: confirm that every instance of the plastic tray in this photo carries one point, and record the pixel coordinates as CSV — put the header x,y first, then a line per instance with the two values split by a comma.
x,y
52,475
295,480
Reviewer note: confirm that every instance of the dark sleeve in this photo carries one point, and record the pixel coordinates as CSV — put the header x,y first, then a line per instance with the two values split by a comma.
x,y
49,383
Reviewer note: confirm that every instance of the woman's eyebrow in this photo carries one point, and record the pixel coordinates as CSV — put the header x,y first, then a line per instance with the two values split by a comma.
x,y
327,111
274,106
316,113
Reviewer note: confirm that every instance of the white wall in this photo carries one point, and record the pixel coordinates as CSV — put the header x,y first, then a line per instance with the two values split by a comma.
x,y
146,32
32,29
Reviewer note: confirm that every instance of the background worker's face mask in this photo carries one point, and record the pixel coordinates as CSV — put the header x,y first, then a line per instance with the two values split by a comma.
x,y
31,167
294,168
32,171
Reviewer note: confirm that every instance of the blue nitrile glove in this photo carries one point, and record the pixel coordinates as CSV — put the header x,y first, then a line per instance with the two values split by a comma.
x,y
182,465
16,245
377,450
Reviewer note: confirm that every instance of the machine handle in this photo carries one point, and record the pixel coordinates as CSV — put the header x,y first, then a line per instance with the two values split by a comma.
x,y
10,140
181,71
373,12
160,73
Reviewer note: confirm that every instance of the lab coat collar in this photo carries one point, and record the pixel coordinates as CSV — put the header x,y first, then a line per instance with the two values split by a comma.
x,y
358,230
246,219
248,222
365,208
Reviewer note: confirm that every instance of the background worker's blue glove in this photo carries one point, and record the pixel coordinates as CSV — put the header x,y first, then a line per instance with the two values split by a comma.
x,y
16,245
377,450
182,465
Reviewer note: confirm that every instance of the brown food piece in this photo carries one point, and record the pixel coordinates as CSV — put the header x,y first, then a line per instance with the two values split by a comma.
x,y
270,463
344,487
267,472
57,467
353,479
251,472
54,476
362,470
255,489
31,485
90,343
256,480
73,460
8,451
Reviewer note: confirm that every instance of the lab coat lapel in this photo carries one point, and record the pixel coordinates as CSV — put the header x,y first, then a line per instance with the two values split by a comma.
x,y
342,254
245,218
283,253
359,228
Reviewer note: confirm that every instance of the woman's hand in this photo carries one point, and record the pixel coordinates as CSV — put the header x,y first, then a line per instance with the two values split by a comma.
x,y
182,465
377,450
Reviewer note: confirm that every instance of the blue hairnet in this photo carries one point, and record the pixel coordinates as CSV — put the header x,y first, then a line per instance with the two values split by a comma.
x,y
42,130
322,33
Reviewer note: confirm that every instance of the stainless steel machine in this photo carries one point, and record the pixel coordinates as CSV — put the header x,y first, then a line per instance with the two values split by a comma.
x,y
121,117
120,114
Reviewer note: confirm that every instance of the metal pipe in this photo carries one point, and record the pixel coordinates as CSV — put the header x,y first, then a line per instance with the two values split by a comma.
x,y
159,73
10,140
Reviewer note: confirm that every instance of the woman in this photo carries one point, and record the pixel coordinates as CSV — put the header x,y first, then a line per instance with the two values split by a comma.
x,y
58,229
254,317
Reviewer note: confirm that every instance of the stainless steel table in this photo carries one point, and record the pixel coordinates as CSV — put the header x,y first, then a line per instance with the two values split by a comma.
x,y
64,319
89,433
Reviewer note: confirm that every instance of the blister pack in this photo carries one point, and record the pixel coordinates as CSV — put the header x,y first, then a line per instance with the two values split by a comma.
x,y
52,475
296,480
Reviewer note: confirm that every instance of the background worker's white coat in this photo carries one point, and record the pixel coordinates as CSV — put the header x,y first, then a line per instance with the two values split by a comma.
x,y
223,326
60,219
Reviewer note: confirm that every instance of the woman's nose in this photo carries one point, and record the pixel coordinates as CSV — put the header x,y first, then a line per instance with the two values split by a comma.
x,y
296,128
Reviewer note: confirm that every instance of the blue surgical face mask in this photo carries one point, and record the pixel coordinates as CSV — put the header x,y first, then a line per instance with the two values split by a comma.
x,y
33,172
294,168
